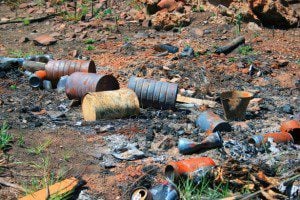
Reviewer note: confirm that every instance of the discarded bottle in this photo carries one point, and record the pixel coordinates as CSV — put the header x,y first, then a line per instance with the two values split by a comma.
x,y
187,146
186,168
210,122
47,85
156,94
33,65
110,105
164,191
292,127
78,84
58,68
235,104
284,137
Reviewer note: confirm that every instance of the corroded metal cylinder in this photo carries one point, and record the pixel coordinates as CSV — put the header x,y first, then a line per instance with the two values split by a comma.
x,y
78,84
187,146
156,94
58,68
277,138
110,105
184,167
36,79
210,122
292,127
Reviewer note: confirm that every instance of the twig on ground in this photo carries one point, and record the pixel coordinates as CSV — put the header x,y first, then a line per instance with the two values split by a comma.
x,y
7,184
39,19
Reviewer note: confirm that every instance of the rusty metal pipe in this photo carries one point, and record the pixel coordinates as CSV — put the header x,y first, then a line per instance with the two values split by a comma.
x,y
58,68
78,84
156,94
258,140
187,146
211,122
174,170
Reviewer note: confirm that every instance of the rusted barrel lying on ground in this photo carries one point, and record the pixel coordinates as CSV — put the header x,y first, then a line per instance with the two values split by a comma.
x,y
110,105
156,94
292,127
277,138
58,68
185,167
78,84
211,122
36,79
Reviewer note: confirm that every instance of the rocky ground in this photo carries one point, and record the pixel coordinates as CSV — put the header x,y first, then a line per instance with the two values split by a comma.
x,y
49,133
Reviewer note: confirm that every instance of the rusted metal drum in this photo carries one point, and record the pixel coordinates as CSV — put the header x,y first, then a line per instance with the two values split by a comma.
x,y
78,84
156,94
277,138
110,105
175,170
58,68
210,122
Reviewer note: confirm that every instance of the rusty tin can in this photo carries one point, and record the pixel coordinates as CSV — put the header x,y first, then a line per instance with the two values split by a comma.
x,y
235,104
187,146
36,79
284,137
78,84
163,191
292,127
211,122
156,94
58,68
185,167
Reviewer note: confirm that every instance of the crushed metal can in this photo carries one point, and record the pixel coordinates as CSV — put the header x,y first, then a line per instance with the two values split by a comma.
x,y
164,191
212,141
258,140
188,167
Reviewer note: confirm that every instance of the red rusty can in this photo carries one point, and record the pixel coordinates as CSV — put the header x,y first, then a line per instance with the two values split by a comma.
x,y
277,138
185,167
79,84
292,127
58,68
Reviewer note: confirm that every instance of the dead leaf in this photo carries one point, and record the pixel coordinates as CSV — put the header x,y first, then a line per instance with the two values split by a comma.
x,y
42,112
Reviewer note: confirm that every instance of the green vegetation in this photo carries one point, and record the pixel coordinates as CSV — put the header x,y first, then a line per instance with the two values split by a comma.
x,y
90,41
204,189
26,21
13,87
5,138
21,141
90,47
245,50
40,148
21,54
238,22
232,59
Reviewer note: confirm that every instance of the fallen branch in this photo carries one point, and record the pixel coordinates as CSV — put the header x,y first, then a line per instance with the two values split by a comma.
x,y
198,102
7,184
39,19
231,45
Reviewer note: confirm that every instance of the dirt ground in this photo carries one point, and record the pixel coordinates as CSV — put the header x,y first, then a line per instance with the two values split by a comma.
x,y
74,147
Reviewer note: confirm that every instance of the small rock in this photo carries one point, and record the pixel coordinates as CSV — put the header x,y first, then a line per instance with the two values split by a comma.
x,y
50,10
283,63
44,40
287,108
23,39
253,27
166,47
187,52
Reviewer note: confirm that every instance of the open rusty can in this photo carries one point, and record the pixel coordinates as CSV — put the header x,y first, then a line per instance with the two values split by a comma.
x,y
78,84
